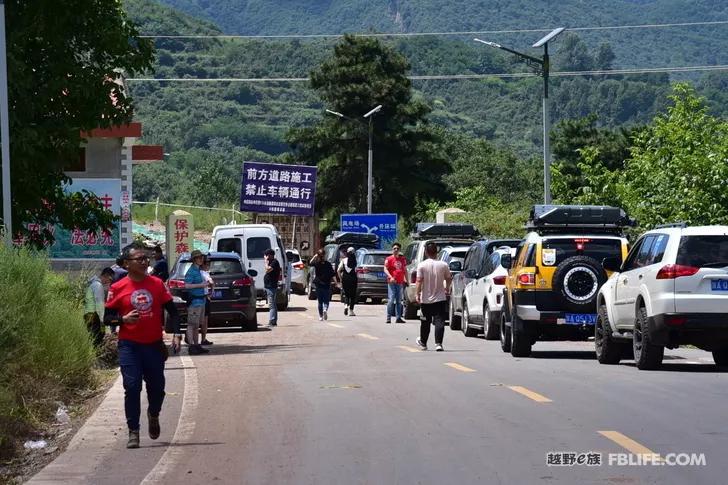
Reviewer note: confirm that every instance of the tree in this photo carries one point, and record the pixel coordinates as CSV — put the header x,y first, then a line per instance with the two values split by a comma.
x,y
361,74
65,65
679,166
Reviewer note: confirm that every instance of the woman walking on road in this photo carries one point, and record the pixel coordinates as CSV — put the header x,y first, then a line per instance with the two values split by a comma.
x,y
324,275
347,275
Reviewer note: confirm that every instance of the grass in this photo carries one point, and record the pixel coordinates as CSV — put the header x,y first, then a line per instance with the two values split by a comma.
x,y
47,355
204,219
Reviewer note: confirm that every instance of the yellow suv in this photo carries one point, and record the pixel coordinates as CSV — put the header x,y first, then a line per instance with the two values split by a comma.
x,y
555,275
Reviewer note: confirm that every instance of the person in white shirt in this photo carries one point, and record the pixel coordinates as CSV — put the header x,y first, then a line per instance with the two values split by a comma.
x,y
205,272
432,290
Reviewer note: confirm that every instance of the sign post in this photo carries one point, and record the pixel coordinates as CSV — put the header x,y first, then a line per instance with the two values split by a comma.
x,y
278,189
180,235
383,225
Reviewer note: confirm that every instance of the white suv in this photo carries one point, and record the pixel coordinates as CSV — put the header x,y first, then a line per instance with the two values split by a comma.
x,y
483,297
671,290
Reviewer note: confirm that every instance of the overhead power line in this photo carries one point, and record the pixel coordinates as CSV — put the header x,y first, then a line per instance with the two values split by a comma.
x,y
606,72
444,33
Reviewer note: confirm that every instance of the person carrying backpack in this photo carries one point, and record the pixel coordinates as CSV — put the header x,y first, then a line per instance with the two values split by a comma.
x,y
347,275
324,276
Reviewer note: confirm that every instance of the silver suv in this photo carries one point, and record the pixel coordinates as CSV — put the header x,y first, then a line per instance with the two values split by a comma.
x,y
671,290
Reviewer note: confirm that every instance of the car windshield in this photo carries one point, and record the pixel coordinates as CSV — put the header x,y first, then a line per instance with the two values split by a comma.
x,y
217,267
703,251
293,257
555,251
457,256
374,259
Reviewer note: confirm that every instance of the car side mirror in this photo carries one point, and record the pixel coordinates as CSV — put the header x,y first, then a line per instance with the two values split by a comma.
x,y
456,266
506,261
253,273
612,263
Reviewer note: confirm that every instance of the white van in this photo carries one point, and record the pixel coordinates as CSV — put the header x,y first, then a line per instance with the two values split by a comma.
x,y
250,241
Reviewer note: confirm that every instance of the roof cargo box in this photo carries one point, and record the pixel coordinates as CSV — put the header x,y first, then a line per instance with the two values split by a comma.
x,y
578,216
338,237
431,230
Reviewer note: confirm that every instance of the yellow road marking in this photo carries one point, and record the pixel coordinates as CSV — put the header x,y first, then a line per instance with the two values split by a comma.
x,y
367,336
529,394
459,367
628,443
408,348
335,325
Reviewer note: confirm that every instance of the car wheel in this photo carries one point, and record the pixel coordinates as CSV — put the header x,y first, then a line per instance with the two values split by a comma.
x,y
505,334
490,326
250,325
647,356
720,357
377,301
311,292
520,343
608,350
468,331
283,305
454,319
410,311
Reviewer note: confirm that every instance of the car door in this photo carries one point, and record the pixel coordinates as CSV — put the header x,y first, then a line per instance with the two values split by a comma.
x,y
476,288
470,268
629,280
255,245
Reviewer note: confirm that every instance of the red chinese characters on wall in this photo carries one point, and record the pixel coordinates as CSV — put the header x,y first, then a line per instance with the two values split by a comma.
x,y
181,236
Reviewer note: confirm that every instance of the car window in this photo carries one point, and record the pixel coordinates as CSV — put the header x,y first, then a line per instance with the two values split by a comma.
x,y
256,246
225,266
492,264
292,257
457,256
181,270
530,259
231,245
519,253
470,258
643,257
330,252
629,263
410,252
658,248
702,251
555,251
374,259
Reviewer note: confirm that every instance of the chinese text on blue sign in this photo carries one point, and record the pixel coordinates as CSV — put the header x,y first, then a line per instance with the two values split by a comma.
x,y
278,189
383,225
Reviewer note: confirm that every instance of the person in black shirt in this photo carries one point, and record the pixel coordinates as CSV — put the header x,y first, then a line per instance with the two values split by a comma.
x,y
324,275
270,282
161,268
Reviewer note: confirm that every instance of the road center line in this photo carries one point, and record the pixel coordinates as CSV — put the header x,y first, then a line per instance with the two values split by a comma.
x,y
529,394
367,336
628,443
459,367
335,325
408,348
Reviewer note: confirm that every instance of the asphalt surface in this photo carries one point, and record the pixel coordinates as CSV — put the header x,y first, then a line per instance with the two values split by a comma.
x,y
352,401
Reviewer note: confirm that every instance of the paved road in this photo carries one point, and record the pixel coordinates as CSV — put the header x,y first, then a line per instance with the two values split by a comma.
x,y
352,401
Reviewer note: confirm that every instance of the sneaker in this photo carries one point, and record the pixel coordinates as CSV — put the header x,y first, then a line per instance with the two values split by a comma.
x,y
438,348
351,313
399,320
326,314
389,320
154,428
206,342
321,319
133,439
422,346
346,311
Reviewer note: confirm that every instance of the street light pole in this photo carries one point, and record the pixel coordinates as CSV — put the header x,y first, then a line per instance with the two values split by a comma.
x,y
5,132
542,67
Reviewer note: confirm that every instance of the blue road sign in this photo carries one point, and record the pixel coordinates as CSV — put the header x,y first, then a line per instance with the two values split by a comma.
x,y
383,225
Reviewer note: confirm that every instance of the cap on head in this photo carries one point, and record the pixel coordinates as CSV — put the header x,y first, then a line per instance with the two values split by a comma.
x,y
196,254
351,249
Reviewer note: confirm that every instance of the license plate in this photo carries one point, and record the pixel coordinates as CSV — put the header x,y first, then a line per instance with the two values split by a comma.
x,y
217,294
719,285
580,318
380,275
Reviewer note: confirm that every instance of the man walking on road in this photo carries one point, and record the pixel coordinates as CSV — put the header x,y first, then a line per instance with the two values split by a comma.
x,y
94,300
395,267
195,285
270,282
432,290
137,304
324,275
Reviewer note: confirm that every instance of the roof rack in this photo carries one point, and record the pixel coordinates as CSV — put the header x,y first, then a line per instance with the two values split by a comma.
x,y
429,230
681,225
340,237
591,218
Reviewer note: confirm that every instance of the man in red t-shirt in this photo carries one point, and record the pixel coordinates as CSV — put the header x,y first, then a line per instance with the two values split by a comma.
x,y
137,304
395,267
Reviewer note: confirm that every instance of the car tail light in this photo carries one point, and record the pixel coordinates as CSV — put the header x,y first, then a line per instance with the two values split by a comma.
x,y
675,320
175,284
672,271
299,265
527,279
580,242
499,280
362,270
247,281
413,277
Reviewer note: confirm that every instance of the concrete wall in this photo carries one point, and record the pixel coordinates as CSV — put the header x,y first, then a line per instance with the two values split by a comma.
x,y
103,159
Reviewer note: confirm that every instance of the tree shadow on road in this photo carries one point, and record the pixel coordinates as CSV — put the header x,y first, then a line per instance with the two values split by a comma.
x,y
164,444
564,354
227,349
683,367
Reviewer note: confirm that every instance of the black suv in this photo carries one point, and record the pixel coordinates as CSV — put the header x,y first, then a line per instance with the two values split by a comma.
x,y
233,297
469,270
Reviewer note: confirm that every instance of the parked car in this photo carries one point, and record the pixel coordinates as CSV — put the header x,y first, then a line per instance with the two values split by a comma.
x,y
299,272
447,234
337,244
371,280
672,290
483,296
471,269
555,276
250,241
450,254
233,296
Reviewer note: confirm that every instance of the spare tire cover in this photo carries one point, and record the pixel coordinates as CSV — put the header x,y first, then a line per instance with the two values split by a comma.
x,y
577,281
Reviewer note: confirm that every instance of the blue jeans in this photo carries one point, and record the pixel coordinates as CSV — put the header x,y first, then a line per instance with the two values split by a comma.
x,y
323,294
273,314
137,362
394,300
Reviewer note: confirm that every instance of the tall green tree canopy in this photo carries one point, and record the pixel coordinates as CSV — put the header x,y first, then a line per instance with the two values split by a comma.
x,y
362,74
65,63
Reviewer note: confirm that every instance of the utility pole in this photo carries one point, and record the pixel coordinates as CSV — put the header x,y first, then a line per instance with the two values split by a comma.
x,y
5,133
